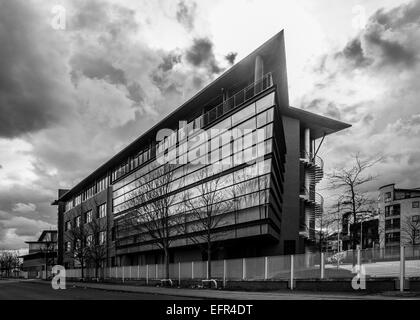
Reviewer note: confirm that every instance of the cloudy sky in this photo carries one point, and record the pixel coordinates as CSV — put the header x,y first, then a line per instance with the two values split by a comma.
x,y
70,99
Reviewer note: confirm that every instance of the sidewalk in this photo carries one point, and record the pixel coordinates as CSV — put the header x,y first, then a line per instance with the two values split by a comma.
x,y
237,295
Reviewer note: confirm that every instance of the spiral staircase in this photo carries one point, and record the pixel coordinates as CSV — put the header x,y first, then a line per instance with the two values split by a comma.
x,y
314,202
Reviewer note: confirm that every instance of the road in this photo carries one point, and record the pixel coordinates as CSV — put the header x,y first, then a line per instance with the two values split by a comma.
x,y
26,290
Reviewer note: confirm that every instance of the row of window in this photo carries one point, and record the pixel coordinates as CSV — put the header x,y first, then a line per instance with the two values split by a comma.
x,y
226,124
243,150
91,240
259,168
87,217
99,186
230,161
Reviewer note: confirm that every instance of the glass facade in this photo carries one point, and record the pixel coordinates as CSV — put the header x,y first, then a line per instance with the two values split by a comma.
x,y
236,149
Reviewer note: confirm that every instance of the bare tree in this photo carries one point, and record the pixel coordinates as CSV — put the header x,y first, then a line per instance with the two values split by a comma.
x,y
79,251
9,261
353,199
410,232
153,210
205,204
327,225
96,244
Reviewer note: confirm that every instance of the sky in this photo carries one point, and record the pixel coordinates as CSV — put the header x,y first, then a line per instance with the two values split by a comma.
x,y
76,90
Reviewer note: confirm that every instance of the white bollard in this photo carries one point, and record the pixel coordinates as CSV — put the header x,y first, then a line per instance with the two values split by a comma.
x,y
322,265
265,268
291,271
224,273
192,270
402,268
179,274
243,269
147,274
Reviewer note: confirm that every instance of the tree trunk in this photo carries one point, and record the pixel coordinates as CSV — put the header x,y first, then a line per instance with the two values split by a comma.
x,y
209,260
166,261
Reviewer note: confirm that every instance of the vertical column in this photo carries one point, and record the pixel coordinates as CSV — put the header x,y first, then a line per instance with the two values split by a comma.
x,y
192,270
307,141
147,274
259,68
243,269
402,268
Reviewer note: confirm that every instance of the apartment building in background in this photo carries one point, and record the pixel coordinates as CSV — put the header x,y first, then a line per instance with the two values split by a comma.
x,y
270,155
399,220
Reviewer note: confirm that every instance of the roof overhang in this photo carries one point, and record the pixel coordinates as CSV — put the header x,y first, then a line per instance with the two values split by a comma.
x,y
319,125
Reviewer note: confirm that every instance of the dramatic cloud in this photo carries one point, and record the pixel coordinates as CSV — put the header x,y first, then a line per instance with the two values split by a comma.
x,y
31,82
70,99
201,54
231,57
185,14
372,84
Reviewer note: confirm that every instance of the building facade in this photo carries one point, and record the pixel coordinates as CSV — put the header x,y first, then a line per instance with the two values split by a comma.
x,y
237,140
366,231
399,221
42,254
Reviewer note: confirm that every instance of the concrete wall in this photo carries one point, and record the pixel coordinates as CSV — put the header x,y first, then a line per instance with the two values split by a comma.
x,y
291,203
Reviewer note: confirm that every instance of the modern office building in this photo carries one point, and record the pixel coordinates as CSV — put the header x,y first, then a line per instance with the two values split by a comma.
x,y
238,137
42,254
399,219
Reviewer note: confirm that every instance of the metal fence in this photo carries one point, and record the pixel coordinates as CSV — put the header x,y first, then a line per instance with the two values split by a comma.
x,y
375,263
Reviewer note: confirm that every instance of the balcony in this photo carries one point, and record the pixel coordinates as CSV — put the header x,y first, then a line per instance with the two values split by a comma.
x,y
231,103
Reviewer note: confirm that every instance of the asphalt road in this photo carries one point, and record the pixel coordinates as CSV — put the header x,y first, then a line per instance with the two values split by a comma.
x,y
25,290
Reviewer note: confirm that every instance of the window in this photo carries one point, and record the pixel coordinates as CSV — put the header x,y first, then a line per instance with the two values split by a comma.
x,y
387,196
102,237
67,226
392,237
415,218
67,246
102,211
77,221
89,240
88,216
416,204
113,233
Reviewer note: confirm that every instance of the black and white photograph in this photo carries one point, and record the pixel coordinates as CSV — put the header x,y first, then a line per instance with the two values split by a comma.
x,y
210,154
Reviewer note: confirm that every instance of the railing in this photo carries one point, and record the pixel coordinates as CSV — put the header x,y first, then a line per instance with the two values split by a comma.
x,y
315,198
374,262
232,102
316,161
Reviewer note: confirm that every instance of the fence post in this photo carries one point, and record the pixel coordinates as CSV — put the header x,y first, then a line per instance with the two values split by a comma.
x,y
123,273
147,274
192,269
130,272
116,272
156,271
322,265
265,268
138,272
224,273
402,268
179,274
291,271
359,262
207,271
243,269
